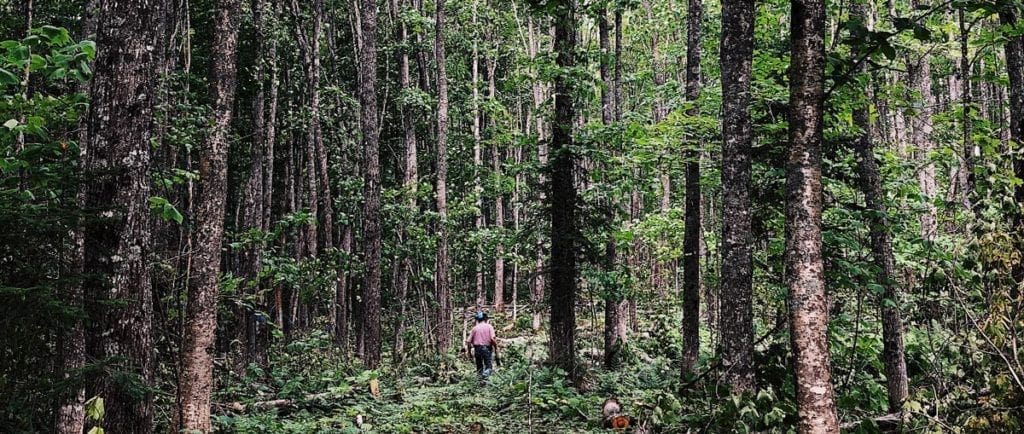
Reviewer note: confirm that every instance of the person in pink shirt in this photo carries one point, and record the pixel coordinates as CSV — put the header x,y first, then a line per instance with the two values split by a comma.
x,y
481,343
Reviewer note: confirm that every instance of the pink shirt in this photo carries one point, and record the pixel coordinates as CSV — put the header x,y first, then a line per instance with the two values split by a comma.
x,y
482,334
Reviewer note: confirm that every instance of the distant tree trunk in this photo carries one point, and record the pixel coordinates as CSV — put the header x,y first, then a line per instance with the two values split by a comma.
x,y
613,321
540,280
410,178
920,117
881,246
691,229
371,311
967,193
116,236
805,274
478,190
1014,51
736,318
563,199
72,355
499,198
250,260
442,291
195,381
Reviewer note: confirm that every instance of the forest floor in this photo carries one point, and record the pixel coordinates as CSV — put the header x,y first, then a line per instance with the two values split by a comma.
x,y
309,388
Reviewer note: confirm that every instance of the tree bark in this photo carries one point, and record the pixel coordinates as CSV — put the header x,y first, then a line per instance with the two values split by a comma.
x,y
736,317
478,190
805,277
920,119
691,225
195,381
116,237
371,312
540,281
613,321
410,179
442,292
563,198
1014,52
499,198
72,355
893,353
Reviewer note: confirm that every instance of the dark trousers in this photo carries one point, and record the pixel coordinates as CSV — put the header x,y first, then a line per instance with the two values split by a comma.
x,y
482,355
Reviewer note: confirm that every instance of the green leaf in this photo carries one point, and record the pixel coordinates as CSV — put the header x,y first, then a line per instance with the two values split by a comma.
x,y
6,77
11,124
888,50
96,430
94,408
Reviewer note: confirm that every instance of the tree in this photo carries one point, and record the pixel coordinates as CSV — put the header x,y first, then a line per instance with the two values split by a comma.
x,y
371,328
410,178
563,199
881,250
736,318
195,381
442,292
1014,52
805,271
692,228
116,237
614,324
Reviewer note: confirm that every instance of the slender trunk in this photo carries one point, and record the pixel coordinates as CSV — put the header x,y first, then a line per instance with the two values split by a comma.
x,y
478,190
499,199
410,178
539,281
920,117
563,199
881,246
1014,52
72,355
736,317
371,185
691,229
613,318
967,170
195,381
808,307
116,238
442,292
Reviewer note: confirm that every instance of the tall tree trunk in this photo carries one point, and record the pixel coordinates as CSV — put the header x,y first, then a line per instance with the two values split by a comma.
x,y
540,280
442,292
613,321
805,274
371,184
563,198
1014,51
499,198
195,381
736,317
881,248
920,117
250,261
72,355
478,190
967,175
691,227
410,179
117,235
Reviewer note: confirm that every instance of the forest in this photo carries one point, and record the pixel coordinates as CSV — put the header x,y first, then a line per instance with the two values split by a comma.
x,y
676,216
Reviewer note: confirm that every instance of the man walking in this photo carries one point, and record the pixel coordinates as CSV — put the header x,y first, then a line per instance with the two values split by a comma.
x,y
482,342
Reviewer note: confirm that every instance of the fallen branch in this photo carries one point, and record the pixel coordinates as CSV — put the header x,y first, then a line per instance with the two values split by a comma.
x,y
238,407
891,420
